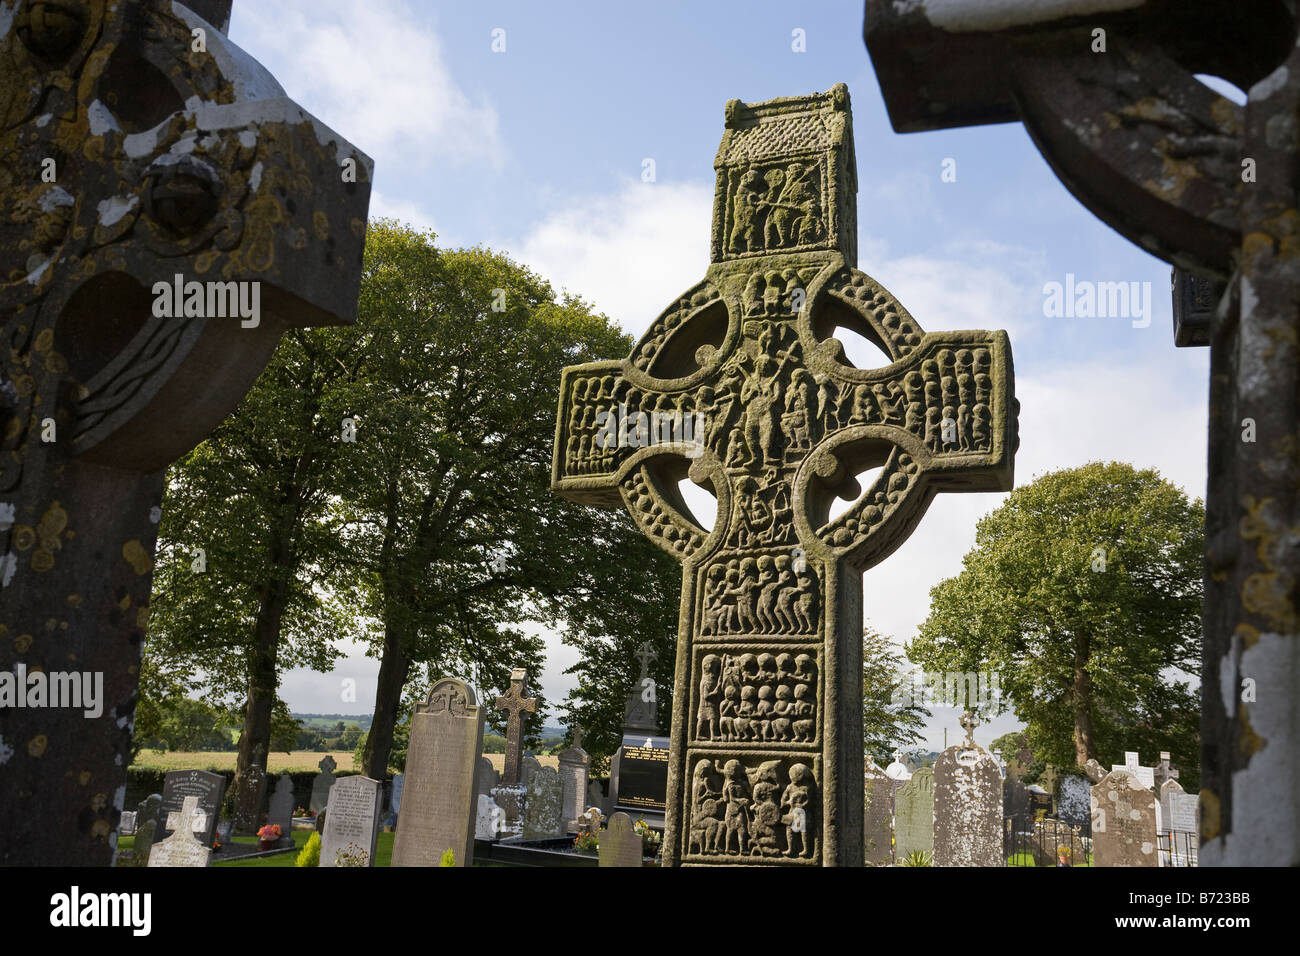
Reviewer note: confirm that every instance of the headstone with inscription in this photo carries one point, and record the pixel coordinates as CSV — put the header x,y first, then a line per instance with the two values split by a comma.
x,y
181,848
439,812
620,845
321,784
352,822
877,804
914,816
638,771
208,789
967,805
126,826
574,766
544,805
771,607
1123,821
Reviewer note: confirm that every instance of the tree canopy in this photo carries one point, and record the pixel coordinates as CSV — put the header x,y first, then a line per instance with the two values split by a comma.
x,y
1083,592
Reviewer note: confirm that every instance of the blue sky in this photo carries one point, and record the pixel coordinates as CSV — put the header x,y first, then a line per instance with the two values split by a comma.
x,y
538,151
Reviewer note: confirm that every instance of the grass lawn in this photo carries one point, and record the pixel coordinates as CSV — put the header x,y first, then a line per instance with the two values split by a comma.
x,y
1027,859
225,760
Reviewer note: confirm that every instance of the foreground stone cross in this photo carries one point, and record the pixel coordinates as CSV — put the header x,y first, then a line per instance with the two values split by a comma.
x,y
741,385
515,703
1210,188
129,158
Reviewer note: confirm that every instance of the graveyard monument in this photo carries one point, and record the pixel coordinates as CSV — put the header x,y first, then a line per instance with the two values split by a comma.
x,y
439,802
742,386
138,170
1109,94
351,823
508,795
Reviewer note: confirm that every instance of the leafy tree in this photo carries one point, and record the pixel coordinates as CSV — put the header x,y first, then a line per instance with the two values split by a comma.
x,y
1083,591
891,717
249,543
459,541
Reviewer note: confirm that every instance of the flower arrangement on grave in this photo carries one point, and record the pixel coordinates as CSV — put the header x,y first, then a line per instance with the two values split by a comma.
x,y
268,836
650,838
586,843
1064,854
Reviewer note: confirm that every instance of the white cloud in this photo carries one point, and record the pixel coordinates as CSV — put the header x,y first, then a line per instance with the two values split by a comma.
x,y
411,213
631,254
374,75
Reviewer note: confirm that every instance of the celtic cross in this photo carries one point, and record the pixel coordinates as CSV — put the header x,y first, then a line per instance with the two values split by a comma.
x,y
142,154
514,703
742,386
645,655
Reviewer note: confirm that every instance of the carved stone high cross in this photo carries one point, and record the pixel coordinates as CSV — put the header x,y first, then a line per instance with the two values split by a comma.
x,y
129,156
767,718
645,654
514,703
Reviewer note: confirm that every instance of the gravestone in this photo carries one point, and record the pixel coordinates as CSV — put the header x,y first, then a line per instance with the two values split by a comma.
x,y
486,776
282,807
197,169
544,805
515,703
620,845
126,826
528,766
488,819
589,821
1123,822
442,757
897,769
1133,764
574,766
352,823
780,422
638,771
1016,801
395,799
147,812
1113,126
321,784
1073,805
181,848
878,808
1095,771
509,794
224,833
596,797
914,816
208,789
967,805
1164,771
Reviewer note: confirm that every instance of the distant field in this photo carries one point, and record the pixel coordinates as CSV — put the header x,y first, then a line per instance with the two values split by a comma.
x,y
499,761
202,759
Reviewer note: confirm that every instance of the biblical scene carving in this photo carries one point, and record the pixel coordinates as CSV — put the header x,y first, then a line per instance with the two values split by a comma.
x,y
754,809
762,594
774,206
765,696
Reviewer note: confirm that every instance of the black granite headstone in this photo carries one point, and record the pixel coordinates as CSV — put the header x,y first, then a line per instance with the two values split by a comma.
x,y
209,788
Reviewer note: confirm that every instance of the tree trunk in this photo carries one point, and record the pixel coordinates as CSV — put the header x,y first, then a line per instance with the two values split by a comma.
x,y
255,743
1081,691
393,671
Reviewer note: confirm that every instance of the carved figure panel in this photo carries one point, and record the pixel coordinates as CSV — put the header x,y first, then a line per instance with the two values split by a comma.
x,y
776,593
756,694
754,809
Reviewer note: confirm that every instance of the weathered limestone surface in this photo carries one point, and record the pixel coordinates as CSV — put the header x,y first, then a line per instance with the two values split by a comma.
x,y
128,158
767,732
